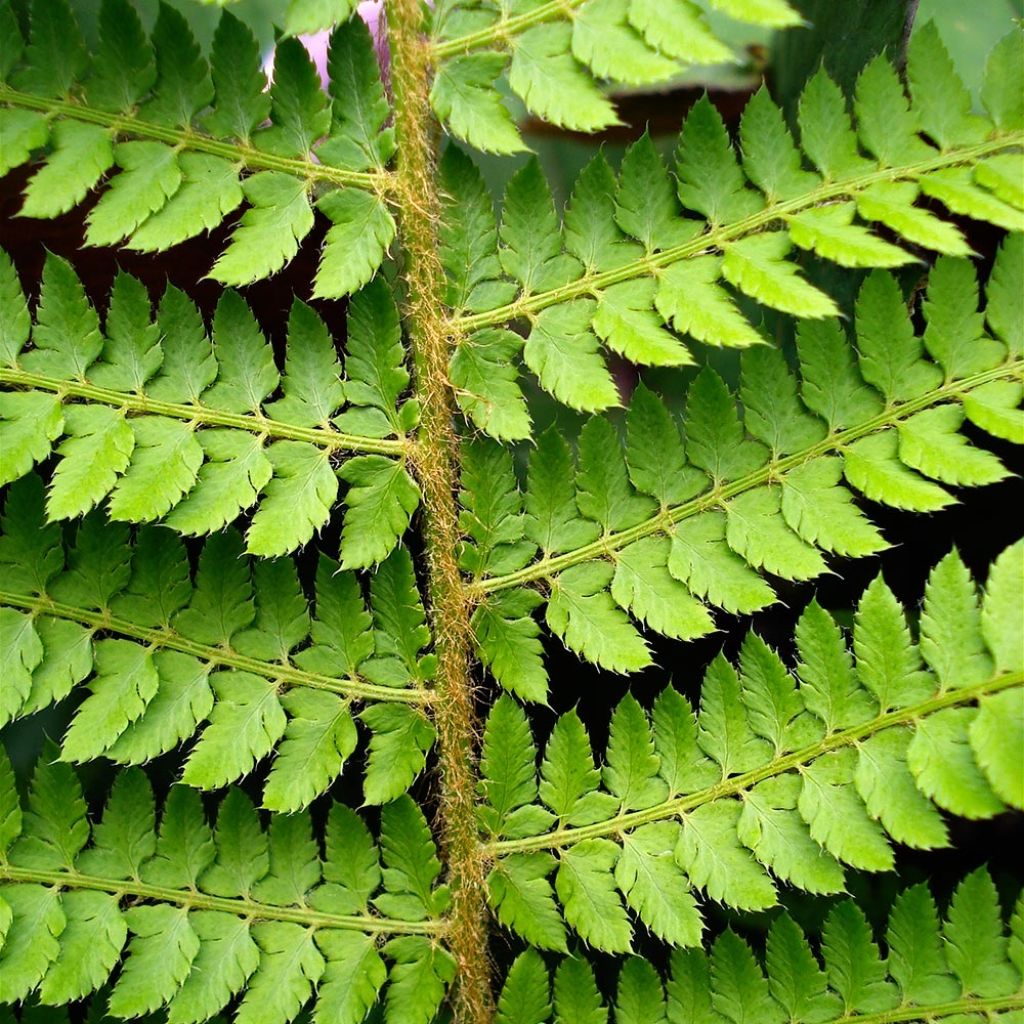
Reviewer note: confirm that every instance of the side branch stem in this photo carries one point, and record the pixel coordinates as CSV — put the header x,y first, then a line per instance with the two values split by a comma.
x,y
132,127
503,30
770,472
437,466
195,900
717,237
322,437
565,837
167,639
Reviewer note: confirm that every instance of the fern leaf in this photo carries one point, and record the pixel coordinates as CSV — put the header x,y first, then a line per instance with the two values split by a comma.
x,y
857,749
264,674
208,912
173,428
659,275
193,142
772,491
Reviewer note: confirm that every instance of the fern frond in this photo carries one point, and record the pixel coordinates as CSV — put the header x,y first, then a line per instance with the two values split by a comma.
x,y
193,431
188,140
665,527
213,912
966,967
556,54
633,271
781,776
235,656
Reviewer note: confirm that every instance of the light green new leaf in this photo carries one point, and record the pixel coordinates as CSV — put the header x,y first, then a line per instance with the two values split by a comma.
x,y
587,893
464,97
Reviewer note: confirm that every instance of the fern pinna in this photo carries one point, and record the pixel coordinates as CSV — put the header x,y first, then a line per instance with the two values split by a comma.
x,y
307,589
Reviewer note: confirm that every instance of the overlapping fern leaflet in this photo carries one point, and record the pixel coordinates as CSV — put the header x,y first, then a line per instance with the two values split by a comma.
x,y
234,656
781,776
668,527
966,967
649,260
171,424
196,915
556,53
189,140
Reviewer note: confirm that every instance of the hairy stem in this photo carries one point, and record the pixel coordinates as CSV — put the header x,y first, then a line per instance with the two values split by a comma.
x,y
436,463
770,472
168,639
679,805
201,415
194,900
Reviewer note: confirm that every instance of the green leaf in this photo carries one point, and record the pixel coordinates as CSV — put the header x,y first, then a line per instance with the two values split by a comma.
x,y
832,385
299,113
486,383
297,500
568,778
830,232
268,235
627,323
689,296
149,176
29,422
242,856
183,84
771,827
644,586
553,521
521,896
655,887
351,868
947,118
226,959
304,17
1002,597
713,859
318,739
583,615
702,560
242,102
362,231
591,232
565,355
677,28
740,989
587,893
888,662
631,769
380,501
507,762
770,156
506,636
794,977
463,96
826,134
82,153
125,682
36,922
852,962
398,749
822,512
916,955
603,490
639,999
354,976
55,56
604,40
411,866
341,633
645,202
246,723
943,764
525,996
358,138
125,838
714,435
577,999
210,190
290,965
654,451
1004,70
724,732
872,466
184,848
553,86
975,943
160,955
